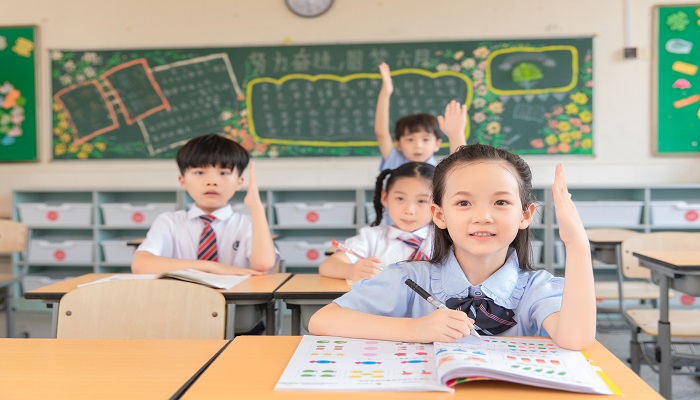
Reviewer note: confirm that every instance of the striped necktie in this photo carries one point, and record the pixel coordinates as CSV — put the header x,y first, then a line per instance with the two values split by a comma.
x,y
489,318
415,243
207,240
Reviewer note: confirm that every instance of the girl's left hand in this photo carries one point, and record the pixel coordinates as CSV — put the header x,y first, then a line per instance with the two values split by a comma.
x,y
571,228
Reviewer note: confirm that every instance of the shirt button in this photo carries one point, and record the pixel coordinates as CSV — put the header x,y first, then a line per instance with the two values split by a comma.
x,y
477,293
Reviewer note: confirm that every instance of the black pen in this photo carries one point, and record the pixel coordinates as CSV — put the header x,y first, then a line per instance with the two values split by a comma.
x,y
432,300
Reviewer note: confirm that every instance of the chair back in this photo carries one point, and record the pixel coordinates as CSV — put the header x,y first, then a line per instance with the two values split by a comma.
x,y
142,309
13,236
653,241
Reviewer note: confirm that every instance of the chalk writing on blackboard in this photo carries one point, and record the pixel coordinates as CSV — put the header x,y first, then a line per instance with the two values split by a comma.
x,y
137,93
528,71
196,90
334,111
89,110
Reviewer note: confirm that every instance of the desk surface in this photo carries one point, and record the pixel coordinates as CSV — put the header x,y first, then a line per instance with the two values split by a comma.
x,y
99,369
7,279
312,286
253,288
253,364
680,261
609,236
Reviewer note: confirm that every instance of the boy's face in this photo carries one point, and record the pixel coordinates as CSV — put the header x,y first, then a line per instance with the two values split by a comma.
x,y
211,187
418,146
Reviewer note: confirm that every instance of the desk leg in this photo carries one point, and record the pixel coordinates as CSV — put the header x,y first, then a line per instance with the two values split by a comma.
x,y
10,311
230,320
666,366
54,318
270,318
620,280
296,318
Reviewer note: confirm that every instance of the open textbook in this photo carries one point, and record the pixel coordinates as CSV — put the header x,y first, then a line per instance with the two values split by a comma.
x,y
335,363
190,275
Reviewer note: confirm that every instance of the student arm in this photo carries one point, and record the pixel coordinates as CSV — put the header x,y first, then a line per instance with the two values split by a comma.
x,y
263,256
145,262
442,325
339,265
381,116
453,123
573,327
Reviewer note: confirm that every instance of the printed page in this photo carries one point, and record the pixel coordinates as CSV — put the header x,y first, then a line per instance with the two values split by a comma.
x,y
121,277
334,363
531,361
205,278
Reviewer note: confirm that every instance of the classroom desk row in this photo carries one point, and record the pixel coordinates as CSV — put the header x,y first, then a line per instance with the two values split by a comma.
x,y
298,291
247,367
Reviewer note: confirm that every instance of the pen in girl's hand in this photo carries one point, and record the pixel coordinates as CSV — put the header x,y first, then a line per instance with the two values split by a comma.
x,y
345,249
432,300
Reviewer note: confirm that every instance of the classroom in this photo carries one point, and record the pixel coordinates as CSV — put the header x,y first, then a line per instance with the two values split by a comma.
x,y
627,156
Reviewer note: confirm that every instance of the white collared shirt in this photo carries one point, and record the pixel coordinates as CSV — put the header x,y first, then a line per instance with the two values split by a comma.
x,y
176,235
532,295
383,242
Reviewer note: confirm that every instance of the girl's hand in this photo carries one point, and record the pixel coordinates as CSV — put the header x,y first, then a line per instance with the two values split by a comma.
x,y
366,268
252,195
571,228
454,121
387,83
443,325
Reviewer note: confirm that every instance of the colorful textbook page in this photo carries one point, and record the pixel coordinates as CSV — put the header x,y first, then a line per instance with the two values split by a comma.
x,y
334,363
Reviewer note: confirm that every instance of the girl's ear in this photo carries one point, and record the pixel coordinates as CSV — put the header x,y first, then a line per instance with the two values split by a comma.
x,y
438,216
528,214
384,196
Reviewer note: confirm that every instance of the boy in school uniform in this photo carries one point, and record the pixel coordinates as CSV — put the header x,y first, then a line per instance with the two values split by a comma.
x,y
417,136
210,237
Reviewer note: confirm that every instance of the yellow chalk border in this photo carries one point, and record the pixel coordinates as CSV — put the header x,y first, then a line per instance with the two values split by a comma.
x,y
571,85
346,78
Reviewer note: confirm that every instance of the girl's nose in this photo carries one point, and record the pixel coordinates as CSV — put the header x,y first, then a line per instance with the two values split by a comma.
x,y
482,215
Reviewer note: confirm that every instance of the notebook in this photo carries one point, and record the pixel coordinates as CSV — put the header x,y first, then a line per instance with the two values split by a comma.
x,y
190,275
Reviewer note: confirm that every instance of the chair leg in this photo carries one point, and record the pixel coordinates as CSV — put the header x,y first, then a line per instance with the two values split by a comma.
x,y
635,350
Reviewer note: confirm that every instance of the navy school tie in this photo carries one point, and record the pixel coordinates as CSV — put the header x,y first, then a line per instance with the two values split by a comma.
x,y
489,317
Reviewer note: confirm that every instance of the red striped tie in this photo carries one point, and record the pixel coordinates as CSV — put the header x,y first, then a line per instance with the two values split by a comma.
x,y
207,240
415,243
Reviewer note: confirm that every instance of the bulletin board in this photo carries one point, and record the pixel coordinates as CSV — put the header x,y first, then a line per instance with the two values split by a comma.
x,y
676,78
529,96
18,131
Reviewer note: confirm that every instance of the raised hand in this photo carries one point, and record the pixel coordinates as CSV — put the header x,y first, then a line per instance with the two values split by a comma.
x,y
252,196
387,83
442,325
571,228
366,268
453,124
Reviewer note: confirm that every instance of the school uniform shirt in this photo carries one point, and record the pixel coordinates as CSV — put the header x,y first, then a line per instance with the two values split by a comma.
x,y
532,295
396,159
383,242
176,235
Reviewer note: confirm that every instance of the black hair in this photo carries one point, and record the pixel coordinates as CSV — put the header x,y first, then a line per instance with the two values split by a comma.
x,y
212,150
408,170
417,122
473,153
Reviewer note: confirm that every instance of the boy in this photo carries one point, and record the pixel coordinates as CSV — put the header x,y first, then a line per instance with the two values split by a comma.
x,y
418,135
210,237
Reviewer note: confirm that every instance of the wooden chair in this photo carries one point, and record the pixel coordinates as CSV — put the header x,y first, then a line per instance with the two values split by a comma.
x,y
142,309
684,323
13,240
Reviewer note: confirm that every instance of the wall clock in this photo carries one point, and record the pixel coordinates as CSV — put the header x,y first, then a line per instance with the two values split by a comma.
x,y
309,8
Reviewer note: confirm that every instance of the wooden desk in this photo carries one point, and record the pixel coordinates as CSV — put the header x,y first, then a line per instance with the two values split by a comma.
x,y
253,291
306,292
250,367
100,369
8,281
606,247
678,270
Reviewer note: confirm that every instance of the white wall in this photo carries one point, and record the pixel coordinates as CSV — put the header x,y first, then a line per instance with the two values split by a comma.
x,y
622,87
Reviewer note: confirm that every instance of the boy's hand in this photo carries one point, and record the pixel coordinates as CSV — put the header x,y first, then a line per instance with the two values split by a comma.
x,y
252,196
442,325
223,269
454,121
366,268
387,83
571,228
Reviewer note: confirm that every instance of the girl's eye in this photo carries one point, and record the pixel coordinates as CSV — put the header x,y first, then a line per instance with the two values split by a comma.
x,y
399,198
463,203
502,203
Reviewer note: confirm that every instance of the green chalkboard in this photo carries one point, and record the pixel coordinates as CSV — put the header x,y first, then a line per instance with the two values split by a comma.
x,y
677,79
530,96
17,94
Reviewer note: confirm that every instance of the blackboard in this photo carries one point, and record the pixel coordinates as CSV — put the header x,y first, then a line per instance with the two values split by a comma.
x,y
17,94
530,96
677,80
